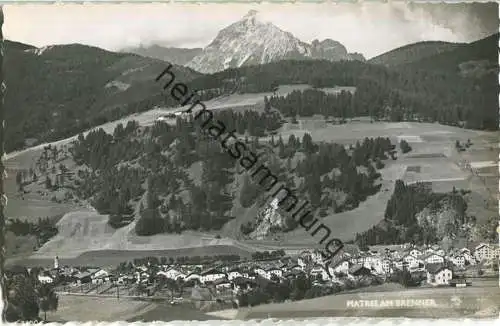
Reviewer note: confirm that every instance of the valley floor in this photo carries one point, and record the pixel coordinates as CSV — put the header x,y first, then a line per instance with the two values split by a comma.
x,y
477,301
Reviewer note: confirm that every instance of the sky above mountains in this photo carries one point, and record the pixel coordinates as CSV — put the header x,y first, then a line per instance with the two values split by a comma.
x,y
370,29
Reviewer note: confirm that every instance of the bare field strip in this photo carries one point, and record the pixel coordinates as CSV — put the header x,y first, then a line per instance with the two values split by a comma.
x,y
350,132
437,171
32,206
435,180
87,309
167,313
446,186
426,155
410,138
31,210
483,164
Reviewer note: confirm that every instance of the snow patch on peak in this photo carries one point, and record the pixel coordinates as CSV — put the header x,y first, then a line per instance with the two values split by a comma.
x,y
251,13
39,51
252,18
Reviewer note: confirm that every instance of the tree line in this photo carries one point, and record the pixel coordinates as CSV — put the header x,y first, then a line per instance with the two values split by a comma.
x,y
43,229
296,288
429,95
27,296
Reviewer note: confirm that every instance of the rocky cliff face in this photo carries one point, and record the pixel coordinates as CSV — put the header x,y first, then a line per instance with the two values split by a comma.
x,y
328,49
251,41
444,218
268,222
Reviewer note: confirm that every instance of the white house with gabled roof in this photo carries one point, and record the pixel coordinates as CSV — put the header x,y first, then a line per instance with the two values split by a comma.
x,y
173,273
387,265
439,252
267,271
468,256
45,279
211,275
234,273
415,252
464,251
395,254
340,267
411,260
439,275
317,257
458,260
320,270
433,258
484,251
192,276
399,264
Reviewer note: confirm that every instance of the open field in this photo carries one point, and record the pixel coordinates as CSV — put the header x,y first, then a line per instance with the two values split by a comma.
x,y
166,312
86,309
434,157
483,295
478,300
33,205
346,224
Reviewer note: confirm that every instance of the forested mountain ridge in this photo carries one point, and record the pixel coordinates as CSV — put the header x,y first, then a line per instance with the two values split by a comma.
x,y
412,53
475,63
57,91
170,178
485,49
434,89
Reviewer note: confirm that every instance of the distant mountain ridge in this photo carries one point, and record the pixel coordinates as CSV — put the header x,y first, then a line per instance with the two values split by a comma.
x,y
438,55
177,56
84,86
251,41
413,52
483,54
58,90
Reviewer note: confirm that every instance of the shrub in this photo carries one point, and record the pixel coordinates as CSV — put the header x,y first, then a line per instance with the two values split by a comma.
x,y
405,147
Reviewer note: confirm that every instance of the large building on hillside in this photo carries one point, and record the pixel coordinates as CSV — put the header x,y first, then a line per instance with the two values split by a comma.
x,y
485,251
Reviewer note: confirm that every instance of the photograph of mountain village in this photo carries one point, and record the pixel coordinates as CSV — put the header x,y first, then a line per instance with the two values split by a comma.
x,y
381,117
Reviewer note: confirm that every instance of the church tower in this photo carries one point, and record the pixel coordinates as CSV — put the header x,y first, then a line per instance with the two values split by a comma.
x,y
56,262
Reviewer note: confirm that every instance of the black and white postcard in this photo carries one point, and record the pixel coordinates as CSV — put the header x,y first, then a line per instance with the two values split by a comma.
x,y
225,161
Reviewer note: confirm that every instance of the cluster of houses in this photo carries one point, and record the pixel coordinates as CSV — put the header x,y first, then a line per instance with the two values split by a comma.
x,y
433,261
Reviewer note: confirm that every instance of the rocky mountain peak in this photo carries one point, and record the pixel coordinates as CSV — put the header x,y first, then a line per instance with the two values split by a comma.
x,y
252,41
251,16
